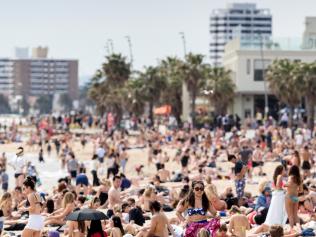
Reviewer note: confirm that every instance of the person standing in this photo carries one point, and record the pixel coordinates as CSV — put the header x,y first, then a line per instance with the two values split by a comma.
x,y
94,170
240,170
34,206
72,166
19,164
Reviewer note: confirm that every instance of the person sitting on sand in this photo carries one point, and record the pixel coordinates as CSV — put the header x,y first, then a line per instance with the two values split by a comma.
x,y
238,223
163,174
114,192
159,225
57,217
197,206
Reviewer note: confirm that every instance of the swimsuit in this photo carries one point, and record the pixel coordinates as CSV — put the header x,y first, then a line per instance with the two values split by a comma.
x,y
293,198
196,211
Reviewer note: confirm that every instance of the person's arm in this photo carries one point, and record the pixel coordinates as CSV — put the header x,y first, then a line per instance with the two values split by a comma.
x,y
231,226
179,210
63,214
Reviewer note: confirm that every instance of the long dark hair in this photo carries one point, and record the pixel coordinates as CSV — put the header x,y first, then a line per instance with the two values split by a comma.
x,y
118,223
278,171
191,197
295,172
29,182
95,227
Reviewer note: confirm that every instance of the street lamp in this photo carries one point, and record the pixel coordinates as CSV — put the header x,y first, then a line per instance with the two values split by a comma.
x,y
110,42
128,38
266,101
184,43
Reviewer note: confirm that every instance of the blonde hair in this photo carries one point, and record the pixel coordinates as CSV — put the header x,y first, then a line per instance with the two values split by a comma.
x,y
262,185
106,182
203,233
5,199
211,191
148,192
68,198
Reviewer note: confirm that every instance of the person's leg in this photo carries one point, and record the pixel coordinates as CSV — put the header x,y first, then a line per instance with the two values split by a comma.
x,y
289,210
27,233
36,234
295,210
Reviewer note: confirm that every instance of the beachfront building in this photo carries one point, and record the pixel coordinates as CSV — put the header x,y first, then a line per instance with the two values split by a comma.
x,y
38,75
247,63
238,20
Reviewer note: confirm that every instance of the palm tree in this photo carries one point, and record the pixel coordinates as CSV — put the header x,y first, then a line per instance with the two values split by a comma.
x,y
108,85
135,103
307,75
221,88
285,84
172,95
193,73
153,84
116,69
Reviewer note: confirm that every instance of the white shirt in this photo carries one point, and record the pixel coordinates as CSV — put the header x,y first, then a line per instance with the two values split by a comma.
x,y
19,163
100,152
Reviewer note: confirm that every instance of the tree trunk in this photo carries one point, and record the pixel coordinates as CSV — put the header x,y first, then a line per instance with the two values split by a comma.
x,y
151,113
193,99
310,102
291,117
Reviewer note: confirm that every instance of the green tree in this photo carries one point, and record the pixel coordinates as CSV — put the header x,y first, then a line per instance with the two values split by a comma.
x,y
153,84
65,101
108,86
193,73
45,104
135,102
4,105
172,95
285,84
306,73
220,88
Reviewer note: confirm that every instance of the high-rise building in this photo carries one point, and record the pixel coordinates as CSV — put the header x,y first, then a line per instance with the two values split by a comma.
x,y
38,76
238,20
309,35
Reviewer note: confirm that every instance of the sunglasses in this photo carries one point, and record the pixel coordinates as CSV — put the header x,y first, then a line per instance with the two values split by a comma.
x,y
199,189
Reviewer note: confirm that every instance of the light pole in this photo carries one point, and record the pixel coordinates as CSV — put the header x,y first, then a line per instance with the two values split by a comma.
x,y
110,42
184,43
185,93
128,38
266,101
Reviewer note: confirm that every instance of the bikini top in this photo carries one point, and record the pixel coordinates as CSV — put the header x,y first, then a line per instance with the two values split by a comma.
x,y
196,211
27,204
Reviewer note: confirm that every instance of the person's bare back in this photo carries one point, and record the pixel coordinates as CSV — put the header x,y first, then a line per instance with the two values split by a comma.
x,y
159,222
238,225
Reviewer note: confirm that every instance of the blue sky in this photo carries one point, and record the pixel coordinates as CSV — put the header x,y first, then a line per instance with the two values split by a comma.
x,y
80,28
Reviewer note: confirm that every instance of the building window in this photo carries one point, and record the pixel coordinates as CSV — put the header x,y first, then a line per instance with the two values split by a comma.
x,y
248,66
258,67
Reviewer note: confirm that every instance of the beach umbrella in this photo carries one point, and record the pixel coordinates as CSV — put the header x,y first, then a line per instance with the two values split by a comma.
x,y
86,214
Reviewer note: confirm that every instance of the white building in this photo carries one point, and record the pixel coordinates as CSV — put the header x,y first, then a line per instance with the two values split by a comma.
x,y
246,65
242,20
6,77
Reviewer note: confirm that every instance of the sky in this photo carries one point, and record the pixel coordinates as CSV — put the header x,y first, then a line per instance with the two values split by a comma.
x,y
80,29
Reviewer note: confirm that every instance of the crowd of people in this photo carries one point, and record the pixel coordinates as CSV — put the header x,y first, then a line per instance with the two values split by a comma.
x,y
195,182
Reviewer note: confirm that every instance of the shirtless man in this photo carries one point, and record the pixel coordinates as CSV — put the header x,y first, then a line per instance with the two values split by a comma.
x,y
238,223
163,174
159,225
114,192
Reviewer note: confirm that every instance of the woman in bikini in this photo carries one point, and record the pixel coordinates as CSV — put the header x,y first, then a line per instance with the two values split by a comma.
x,y
34,205
197,206
293,187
